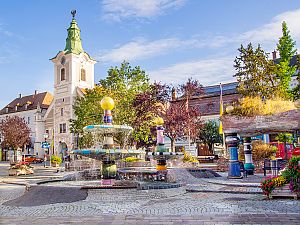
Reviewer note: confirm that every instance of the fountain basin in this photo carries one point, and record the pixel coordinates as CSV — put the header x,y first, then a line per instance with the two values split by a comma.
x,y
101,154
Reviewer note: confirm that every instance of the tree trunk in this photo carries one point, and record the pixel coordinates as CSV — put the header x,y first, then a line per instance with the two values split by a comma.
x,y
172,145
15,155
210,148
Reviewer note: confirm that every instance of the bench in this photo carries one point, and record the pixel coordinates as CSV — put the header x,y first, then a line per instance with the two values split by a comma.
x,y
275,165
204,159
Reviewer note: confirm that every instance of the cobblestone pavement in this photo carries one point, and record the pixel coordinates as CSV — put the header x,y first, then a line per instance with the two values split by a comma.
x,y
154,206
165,206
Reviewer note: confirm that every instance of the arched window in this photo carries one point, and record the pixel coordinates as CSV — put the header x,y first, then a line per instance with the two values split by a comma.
x,y
62,74
82,75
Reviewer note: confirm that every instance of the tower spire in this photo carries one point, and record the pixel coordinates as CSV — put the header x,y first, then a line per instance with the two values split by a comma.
x,y
73,41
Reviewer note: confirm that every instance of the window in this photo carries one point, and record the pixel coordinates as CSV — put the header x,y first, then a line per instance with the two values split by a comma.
x,y
62,128
28,120
82,75
62,74
62,111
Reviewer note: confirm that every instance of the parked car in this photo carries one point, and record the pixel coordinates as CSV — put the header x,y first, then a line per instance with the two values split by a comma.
x,y
32,159
281,151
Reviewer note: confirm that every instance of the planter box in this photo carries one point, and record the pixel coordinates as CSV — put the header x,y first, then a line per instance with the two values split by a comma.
x,y
284,191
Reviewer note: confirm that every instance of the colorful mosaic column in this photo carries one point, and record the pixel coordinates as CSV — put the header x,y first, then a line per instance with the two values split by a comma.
x,y
232,145
249,166
160,145
109,168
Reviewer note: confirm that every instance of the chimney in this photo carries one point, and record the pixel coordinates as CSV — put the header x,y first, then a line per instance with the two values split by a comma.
x,y
36,92
274,54
20,95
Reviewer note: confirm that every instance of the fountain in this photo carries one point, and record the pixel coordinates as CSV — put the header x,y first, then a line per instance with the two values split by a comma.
x,y
107,152
162,154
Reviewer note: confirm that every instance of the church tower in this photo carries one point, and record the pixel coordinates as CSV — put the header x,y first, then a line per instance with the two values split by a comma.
x,y
73,72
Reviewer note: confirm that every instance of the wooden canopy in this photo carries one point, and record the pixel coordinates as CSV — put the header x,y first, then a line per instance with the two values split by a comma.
x,y
251,126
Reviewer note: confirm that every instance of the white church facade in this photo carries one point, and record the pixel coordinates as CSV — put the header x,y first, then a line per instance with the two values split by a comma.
x,y
49,116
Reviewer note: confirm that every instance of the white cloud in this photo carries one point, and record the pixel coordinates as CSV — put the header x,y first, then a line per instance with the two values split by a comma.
x,y
119,9
142,49
268,34
209,71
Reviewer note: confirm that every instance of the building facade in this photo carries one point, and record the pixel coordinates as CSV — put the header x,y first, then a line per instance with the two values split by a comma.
x,y
73,72
47,116
32,109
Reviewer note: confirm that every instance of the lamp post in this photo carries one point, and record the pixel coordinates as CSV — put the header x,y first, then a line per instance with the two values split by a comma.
x,y
45,138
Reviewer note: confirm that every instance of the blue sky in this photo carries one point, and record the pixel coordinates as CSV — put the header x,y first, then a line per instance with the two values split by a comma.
x,y
170,39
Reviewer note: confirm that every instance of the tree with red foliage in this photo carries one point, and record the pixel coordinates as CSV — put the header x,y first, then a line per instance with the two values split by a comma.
x,y
190,89
15,133
147,106
174,119
178,124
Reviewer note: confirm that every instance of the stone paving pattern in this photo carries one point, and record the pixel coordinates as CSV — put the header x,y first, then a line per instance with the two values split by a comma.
x,y
166,206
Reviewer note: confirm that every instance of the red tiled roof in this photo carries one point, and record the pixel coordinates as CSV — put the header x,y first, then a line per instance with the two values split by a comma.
x,y
44,99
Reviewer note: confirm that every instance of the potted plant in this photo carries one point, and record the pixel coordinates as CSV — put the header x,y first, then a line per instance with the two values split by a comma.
x,y
285,185
56,160
292,174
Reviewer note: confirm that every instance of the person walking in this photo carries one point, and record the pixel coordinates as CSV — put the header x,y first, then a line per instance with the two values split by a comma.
x,y
45,160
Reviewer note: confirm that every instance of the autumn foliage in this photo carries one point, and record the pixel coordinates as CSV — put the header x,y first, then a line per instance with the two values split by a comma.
x,y
15,132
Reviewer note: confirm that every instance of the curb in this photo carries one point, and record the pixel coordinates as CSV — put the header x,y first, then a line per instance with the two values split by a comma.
x,y
234,185
227,192
15,183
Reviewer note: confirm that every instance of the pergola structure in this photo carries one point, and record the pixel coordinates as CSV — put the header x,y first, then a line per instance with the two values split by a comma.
x,y
248,127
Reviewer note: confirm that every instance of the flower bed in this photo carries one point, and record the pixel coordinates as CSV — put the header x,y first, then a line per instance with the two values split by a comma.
x,y
21,168
285,185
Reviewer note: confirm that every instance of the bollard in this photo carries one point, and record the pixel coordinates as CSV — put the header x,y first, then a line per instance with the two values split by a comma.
x,y
232,141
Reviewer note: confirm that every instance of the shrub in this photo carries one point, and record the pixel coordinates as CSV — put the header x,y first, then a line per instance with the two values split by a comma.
x,y
262,150
279,181
131,159
189,158
267,186
254,106
292,174
56,159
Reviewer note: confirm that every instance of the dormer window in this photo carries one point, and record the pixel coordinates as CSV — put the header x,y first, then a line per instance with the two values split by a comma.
x,y
16,108
82,75
62,74
6,110
27,104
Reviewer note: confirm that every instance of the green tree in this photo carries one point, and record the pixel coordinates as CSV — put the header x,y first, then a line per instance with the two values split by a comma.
x,y
209,134
15,133
255,73
286,48
296,90
122,84
88,111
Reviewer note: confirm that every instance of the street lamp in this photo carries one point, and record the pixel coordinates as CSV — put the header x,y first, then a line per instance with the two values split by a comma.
x,y
49,152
